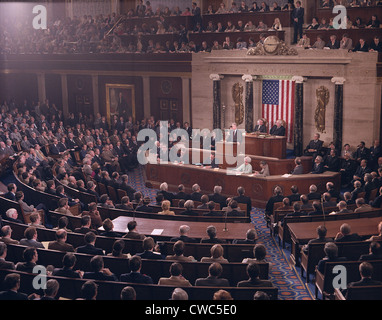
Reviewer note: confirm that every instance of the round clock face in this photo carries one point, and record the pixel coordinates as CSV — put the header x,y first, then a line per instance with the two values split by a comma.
x,y
166,86
271,43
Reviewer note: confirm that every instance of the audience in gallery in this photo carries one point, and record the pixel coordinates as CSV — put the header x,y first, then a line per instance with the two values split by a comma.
x,y
101,34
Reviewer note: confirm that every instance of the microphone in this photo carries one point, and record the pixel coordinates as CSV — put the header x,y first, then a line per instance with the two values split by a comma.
x,y
225,222
322,207
135,208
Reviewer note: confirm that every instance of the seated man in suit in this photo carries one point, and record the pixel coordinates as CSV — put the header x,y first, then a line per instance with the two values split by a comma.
x,y
89,247
148,245
213,280
234,210
183,231
189,206
181,194
12,285
11,194
362,206
260,127
321,237
331,254
375,252
242,198
217,197
163,188
251,238
133,233
176,278
342,207
277,197
366,271
30,238
98,271
3,254
211,232
68,262
60,242
278,129
318,166
178,249
345,234
144,207
298,169
85,225
196,195
253,272
135,275
314,147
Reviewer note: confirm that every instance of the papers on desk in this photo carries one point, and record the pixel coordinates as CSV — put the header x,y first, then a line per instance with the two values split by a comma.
x,y
157,232
216,169
45,244
287,175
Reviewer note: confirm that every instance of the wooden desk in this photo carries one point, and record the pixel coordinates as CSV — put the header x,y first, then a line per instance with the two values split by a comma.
x,y
276,166
302,232
260,189
266,146
171,228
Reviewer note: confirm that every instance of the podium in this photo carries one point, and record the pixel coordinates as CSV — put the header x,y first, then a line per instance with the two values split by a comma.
x,y
259,145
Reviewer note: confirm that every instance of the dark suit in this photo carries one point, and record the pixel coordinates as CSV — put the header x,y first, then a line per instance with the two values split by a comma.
x,y
349,237
67,273
218,198
277,131
196,196
184,239
10,195
260,128
318,168
212,282
60,246
90,249
313,144
6,264
246,200
99,276
298,169
12,295
150,255
297,13
255,283
136,277
322,262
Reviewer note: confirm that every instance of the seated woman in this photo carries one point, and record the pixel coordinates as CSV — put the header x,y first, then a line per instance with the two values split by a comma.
x,y
166,208
259,255
264,172
314,25
246,167
217,252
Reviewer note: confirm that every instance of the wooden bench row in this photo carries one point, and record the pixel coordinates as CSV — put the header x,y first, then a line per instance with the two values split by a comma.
x,y
324,282
351,250
284,232
232,252
108,290
156,269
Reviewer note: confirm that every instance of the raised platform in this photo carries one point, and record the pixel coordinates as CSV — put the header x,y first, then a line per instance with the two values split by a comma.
x,y
260,189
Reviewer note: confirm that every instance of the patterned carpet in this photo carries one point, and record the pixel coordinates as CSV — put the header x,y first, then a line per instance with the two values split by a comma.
x,y
282,275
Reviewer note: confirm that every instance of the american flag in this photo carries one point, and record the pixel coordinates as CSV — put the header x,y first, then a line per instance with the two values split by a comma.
x,y
278,103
